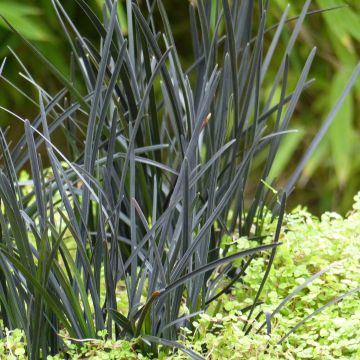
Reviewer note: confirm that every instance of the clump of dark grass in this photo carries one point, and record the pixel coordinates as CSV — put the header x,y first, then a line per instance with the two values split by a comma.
x,y
158,164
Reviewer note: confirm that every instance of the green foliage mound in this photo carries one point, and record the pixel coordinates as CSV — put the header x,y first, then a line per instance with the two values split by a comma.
x,y
309,245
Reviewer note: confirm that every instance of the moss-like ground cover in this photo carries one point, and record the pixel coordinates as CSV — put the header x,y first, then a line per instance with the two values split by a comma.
x,y
308,245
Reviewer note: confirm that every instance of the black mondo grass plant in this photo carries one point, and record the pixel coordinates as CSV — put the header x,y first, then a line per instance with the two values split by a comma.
x,y
157,170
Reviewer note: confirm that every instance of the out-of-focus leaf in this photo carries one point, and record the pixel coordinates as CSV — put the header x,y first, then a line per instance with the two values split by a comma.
x,y
343,22
314,162
120,12
286,151
341,130
25,18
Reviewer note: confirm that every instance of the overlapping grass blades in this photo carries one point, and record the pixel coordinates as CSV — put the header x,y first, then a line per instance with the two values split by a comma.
x,y
156,173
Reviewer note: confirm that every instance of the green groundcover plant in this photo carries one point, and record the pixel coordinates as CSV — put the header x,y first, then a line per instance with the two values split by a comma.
x,y
123,234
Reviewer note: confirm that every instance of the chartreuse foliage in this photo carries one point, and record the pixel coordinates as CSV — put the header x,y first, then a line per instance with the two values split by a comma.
x,y
329,304
153,181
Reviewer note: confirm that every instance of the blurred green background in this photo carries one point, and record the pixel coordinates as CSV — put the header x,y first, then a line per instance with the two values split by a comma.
x,y
331,178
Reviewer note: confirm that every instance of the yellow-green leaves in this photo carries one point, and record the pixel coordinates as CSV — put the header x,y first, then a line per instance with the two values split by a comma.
x,y
342,132
26,18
